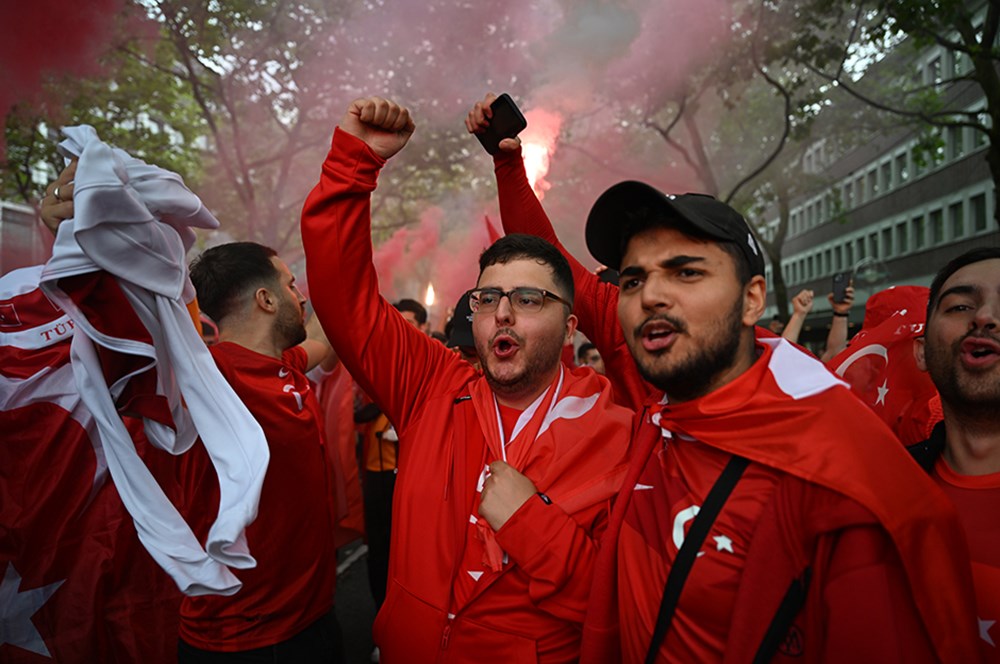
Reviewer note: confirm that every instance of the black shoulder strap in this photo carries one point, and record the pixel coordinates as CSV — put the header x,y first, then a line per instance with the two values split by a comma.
x,y
790,605
689,549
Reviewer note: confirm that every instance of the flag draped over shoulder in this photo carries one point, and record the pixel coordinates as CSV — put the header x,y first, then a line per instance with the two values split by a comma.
x,y
75,583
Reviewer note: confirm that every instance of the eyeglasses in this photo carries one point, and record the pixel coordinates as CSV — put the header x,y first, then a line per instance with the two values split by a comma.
x,y
524,299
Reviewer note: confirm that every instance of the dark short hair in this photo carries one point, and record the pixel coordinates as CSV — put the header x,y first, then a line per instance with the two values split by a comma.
x,y
518,246
225,274
953,266
584,348
644,219
414,307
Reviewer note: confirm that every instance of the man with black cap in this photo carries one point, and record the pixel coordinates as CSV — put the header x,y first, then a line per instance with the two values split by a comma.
x,y
767,515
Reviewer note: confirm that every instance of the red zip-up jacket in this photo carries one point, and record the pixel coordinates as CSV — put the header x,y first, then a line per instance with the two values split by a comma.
x,y
533,609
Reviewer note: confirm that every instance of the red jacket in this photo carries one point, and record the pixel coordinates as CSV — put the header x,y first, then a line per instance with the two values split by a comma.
x,y
847,495
531,610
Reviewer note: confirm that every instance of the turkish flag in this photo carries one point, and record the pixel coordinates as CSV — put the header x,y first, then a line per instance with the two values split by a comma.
x,y
879,366
76,584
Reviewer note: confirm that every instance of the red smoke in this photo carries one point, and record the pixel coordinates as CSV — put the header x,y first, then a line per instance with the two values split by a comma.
x,y
50,37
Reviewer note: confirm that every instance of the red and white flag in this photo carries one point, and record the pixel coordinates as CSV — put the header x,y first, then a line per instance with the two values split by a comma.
x,y
75,583
878,363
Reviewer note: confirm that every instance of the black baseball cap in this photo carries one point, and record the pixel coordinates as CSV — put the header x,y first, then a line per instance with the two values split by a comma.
x,y
461,324
606,223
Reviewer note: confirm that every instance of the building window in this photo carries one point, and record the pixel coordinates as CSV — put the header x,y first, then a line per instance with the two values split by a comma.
x,y
886,176
848,255
934,71
887,242
873,245
936,221
956,218
956,142
838,258
979,137
978,204
872,184
859,245
902,239
859,191
917,226
902,172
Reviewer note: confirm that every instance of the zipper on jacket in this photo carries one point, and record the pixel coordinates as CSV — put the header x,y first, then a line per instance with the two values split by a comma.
x,y
446,634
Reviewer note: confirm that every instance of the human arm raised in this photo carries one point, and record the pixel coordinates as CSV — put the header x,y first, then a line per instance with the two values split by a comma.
x,y
596,303
802,304
836,340
391,360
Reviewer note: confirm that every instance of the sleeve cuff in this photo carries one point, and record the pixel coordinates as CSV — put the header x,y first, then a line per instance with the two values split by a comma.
x,y
352,157
530,529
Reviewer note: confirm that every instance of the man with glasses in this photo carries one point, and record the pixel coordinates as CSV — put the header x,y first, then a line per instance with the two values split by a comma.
x,y
505,477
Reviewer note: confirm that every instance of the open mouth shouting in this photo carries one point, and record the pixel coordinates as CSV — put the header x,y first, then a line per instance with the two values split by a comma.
x,y
505,344
658,334
979,352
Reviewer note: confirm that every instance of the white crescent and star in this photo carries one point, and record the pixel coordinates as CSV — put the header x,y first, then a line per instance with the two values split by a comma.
x,y
722,542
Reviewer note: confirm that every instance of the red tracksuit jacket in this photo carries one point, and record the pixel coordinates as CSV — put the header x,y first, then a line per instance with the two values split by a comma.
x,y
533,609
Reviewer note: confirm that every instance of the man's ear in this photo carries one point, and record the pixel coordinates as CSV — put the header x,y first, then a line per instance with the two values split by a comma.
x,y
571,322
918,353
265,300
754,300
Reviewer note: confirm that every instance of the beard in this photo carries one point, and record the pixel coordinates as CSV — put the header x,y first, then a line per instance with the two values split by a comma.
x,y
695,375
962,391
289,326
539,360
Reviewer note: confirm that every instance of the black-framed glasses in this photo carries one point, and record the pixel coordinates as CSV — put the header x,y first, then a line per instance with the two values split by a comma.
x,y
524,299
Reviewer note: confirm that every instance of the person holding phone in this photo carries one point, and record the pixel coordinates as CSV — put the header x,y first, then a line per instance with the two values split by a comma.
x,y
505,476
767,514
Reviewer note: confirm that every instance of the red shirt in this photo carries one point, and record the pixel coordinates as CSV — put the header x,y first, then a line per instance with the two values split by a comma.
x,y
977,498
292,537
665,501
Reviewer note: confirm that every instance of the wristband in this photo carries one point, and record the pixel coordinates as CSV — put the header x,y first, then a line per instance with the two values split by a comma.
x,y
545,499
840,315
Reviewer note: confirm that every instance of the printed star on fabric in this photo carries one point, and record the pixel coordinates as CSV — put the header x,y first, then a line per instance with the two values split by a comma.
x,y
723,543
16,609
883,390
984,631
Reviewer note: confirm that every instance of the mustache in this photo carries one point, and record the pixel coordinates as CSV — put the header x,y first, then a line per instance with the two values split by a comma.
x,y
980,334
676,323
507,332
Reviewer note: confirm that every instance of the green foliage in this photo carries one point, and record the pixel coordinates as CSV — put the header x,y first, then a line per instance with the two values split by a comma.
x,y
132,106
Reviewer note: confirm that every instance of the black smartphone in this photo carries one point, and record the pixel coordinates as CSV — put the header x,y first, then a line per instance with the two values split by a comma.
x,y
507,122
841,281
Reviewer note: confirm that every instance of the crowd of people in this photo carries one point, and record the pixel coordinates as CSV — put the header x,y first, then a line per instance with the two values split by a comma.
x,y
574,469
